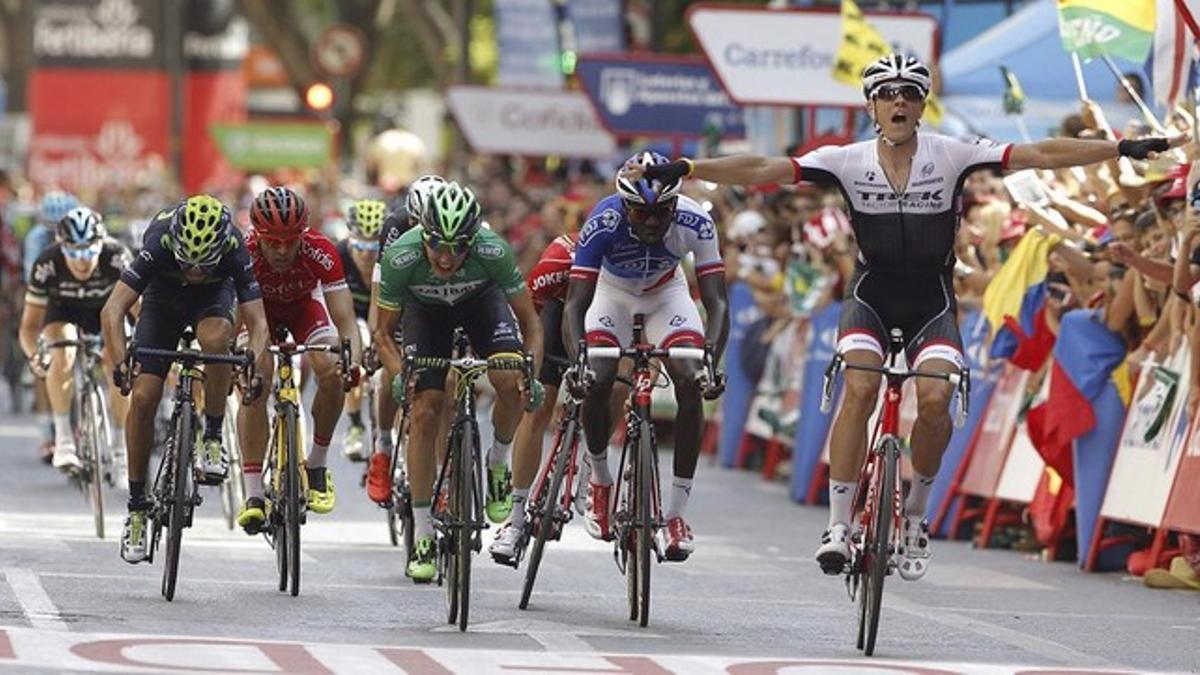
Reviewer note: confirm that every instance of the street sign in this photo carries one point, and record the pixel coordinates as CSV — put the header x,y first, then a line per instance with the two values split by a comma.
x,y
270,145
786,56
529,122
647,95
339,51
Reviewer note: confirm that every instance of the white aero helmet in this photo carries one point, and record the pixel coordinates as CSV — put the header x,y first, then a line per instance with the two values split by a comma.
x,y
419,193
644,191
896,67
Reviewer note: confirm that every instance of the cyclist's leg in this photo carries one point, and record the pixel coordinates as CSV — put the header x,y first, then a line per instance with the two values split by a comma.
x,y
608,322
118,409
310,323
675,322
60,385
214,331
492,329
355,441
387,410
253,431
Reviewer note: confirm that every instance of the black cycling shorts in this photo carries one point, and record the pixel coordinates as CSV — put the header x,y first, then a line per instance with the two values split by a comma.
x,y
554,353
486,318
167,309
923,308
87,320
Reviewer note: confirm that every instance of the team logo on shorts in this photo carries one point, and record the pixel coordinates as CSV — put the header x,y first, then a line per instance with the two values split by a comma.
x,y
607,322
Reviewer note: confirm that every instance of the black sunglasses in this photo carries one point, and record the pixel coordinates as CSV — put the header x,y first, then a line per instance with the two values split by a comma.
x,y
889,92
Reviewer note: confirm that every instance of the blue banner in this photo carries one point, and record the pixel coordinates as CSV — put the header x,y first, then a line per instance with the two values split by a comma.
x,y
983,382
597,25
668,96
527,43
739,390
813,426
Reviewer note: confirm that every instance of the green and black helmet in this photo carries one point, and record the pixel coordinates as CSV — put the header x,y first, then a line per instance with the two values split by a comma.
x,y
452,216
199,231
366,218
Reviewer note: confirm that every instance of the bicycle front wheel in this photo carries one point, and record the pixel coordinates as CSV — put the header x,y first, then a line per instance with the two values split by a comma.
x,y
465,495
546,506
877,544
452,524
644,510
90,454
293,507
181,480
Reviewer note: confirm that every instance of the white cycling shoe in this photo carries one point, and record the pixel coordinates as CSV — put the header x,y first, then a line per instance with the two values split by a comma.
x,y
914,557
510,542
65,457
834,552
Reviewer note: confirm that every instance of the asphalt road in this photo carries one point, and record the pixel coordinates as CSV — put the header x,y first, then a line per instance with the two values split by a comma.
x,y
751,600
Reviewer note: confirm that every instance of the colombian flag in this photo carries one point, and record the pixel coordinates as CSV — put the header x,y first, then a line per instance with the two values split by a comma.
x,y
1015,300
1093,28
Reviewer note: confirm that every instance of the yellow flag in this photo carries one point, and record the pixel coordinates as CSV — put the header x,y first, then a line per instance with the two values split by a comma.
x,y
861,44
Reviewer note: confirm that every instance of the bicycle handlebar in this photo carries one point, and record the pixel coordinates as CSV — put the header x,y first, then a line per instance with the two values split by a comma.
x,y
961,381
690,353
345,366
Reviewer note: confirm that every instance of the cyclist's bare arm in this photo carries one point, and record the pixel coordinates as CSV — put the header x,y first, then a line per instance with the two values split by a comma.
x,y
254,315
341,312
579,298
112,320
744,170
381,336
1058,153
531,326
31,327
716,309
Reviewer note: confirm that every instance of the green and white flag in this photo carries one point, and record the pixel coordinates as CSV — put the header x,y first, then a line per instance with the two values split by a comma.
x,y
1123,28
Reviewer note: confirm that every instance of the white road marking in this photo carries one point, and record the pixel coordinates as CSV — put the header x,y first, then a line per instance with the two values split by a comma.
x,y
553,636
34,600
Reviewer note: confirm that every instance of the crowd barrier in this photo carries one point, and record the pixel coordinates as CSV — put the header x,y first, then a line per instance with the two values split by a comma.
x,y
1138,465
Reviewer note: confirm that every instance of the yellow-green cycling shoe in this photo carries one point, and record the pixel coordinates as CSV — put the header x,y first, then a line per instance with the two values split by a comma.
x,y
499,503
253,515
422,567
321,496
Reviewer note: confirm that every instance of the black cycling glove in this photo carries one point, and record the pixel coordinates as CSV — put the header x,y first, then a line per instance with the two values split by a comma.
x,y
669,172
1142,147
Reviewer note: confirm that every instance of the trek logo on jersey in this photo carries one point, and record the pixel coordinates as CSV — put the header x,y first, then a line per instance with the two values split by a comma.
x,y
322,258
446,293
911,198
489,251
604,222
404,258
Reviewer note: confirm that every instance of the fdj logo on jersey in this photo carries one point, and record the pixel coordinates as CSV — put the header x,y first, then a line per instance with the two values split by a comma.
x,y
606,221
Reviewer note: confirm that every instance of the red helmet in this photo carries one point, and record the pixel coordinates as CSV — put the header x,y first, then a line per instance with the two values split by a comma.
x,y
279,213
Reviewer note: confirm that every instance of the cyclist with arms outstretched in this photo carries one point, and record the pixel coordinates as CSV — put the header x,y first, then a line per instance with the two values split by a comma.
x,y
903,192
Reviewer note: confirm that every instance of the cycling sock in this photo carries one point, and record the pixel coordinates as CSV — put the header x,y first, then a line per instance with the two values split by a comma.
x,y
681,489
118,438
918,495
519,497
254,483
137,495
320,451
841,501
355,418
62,429
499,453
46,424
600,473
422,523
212,426
384,443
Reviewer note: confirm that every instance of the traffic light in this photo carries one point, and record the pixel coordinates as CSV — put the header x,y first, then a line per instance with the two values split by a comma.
x,y
318,97
567,61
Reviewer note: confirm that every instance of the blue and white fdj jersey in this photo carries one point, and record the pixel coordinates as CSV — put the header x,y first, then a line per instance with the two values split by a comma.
x,y
609,252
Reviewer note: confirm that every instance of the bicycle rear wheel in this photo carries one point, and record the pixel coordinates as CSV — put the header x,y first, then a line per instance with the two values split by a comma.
x,y
275,470
876,544
546,505
644,509
293,507
184,440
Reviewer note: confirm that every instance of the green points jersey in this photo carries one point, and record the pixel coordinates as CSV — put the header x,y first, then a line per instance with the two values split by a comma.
x,y
408,276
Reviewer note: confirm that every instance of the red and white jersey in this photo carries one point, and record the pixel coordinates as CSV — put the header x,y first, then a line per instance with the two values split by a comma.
x,y
548,278
317,265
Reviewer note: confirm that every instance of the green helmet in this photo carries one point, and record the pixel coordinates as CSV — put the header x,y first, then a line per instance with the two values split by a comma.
x,y
199,231
365,218
452,214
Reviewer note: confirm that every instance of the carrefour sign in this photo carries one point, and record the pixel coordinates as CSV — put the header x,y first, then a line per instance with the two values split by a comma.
x,y
786,56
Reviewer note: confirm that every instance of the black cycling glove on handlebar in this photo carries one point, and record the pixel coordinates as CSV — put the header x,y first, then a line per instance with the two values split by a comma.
x,y
1142,147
